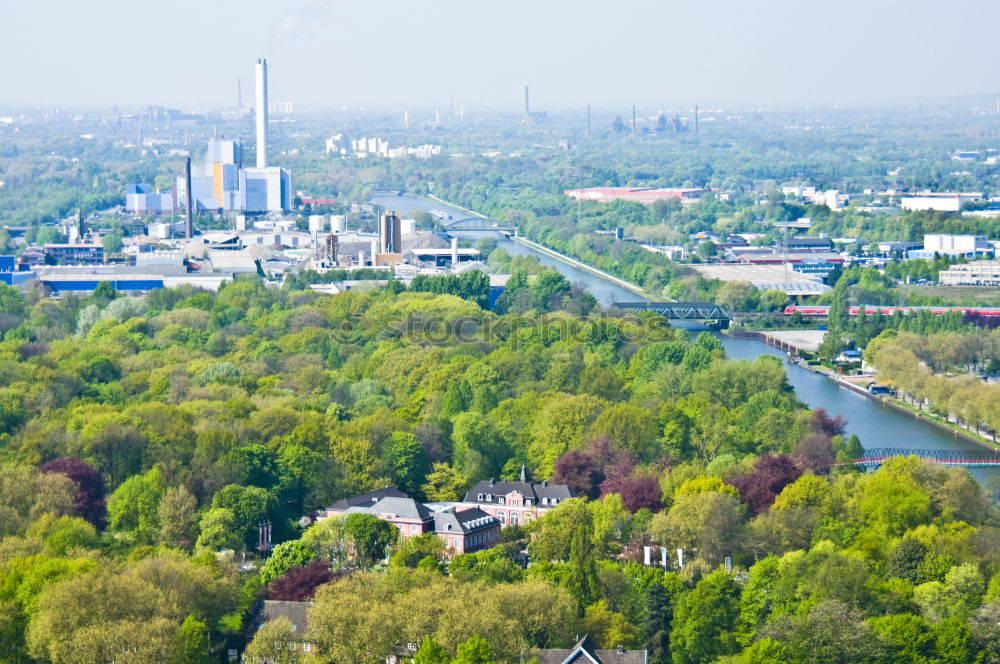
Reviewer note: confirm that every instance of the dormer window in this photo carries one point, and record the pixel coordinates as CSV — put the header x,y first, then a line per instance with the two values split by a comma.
x,y
554,501
527,502
489,497
480,497
501,500
545,501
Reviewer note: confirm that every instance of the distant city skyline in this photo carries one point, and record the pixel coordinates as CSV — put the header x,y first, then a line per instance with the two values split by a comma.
x,y
391,54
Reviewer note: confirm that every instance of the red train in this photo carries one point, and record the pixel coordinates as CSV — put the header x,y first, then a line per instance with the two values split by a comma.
x,y
871,310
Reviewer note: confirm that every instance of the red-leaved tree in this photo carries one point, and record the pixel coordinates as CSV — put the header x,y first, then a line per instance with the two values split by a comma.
x,y
771,474
585,470
88,502
638,491
299,583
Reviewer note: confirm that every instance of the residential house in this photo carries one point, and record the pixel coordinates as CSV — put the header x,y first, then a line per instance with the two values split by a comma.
x,y
585,651
464,528
296,613
517,503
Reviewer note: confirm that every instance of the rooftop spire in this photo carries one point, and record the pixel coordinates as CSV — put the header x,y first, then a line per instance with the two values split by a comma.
x,y
523,479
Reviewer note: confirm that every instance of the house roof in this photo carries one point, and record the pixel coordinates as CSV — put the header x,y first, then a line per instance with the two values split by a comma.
x,y
269,609
400,507
585,652
533,490
404,507
367,499
465,521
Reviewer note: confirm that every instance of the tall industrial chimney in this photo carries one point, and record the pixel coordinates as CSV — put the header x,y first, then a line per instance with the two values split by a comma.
x,y
696,118
527,106
633,118
188,224
588,120
390,233
262,114
239,93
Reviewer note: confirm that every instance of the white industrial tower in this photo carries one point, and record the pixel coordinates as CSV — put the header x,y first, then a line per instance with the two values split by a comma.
x,y
261,113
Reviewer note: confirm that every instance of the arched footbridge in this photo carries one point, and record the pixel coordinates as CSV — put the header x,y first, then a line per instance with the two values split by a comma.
x,y
969,458
478,224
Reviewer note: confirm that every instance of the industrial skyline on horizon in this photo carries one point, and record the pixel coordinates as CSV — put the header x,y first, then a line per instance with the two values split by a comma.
x,y
650,52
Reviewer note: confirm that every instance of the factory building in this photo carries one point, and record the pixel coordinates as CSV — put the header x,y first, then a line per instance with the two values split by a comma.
x,y
225,185
265,189
390,234
141,199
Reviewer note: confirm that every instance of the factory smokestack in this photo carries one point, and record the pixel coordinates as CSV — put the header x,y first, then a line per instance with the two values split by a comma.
x,y
188,223
527,106
588,120
239,94
696,118
262,114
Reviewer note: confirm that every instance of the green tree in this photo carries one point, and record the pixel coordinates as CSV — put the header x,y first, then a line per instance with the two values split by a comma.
x,y
953,642
581,577
133,507
284,557
414,550
177,514
63,533
705,621
219,531
249,505
191,643
656,624
406,455
905,559
112,244
904,638
474,650
371,536
444,483
274,642
431,652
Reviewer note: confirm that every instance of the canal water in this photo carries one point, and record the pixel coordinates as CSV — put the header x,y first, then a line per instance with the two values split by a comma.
x,y
606,292
874,423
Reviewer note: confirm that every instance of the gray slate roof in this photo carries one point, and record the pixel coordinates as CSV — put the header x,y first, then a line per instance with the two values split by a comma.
x,y
466,521
367,499
533,490
585,652
270,609
406,508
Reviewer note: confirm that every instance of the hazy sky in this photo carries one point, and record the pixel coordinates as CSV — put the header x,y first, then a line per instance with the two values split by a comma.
x,y
396,53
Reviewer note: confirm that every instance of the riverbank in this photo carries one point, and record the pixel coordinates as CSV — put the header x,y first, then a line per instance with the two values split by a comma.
x,y
632,288
791,341
541,248
777,340
875,422
471,213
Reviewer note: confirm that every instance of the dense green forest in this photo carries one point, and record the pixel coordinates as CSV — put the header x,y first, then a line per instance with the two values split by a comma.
x,y
144,439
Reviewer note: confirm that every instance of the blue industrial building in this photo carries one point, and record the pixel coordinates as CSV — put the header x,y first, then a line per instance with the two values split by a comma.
x,y
89,283
141,199
13,273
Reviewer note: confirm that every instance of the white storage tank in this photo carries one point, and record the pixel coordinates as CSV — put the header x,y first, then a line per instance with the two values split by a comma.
x,y
408,226
338,223
317,223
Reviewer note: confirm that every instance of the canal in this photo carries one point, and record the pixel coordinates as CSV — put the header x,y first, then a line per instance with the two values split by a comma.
x,y
874,423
